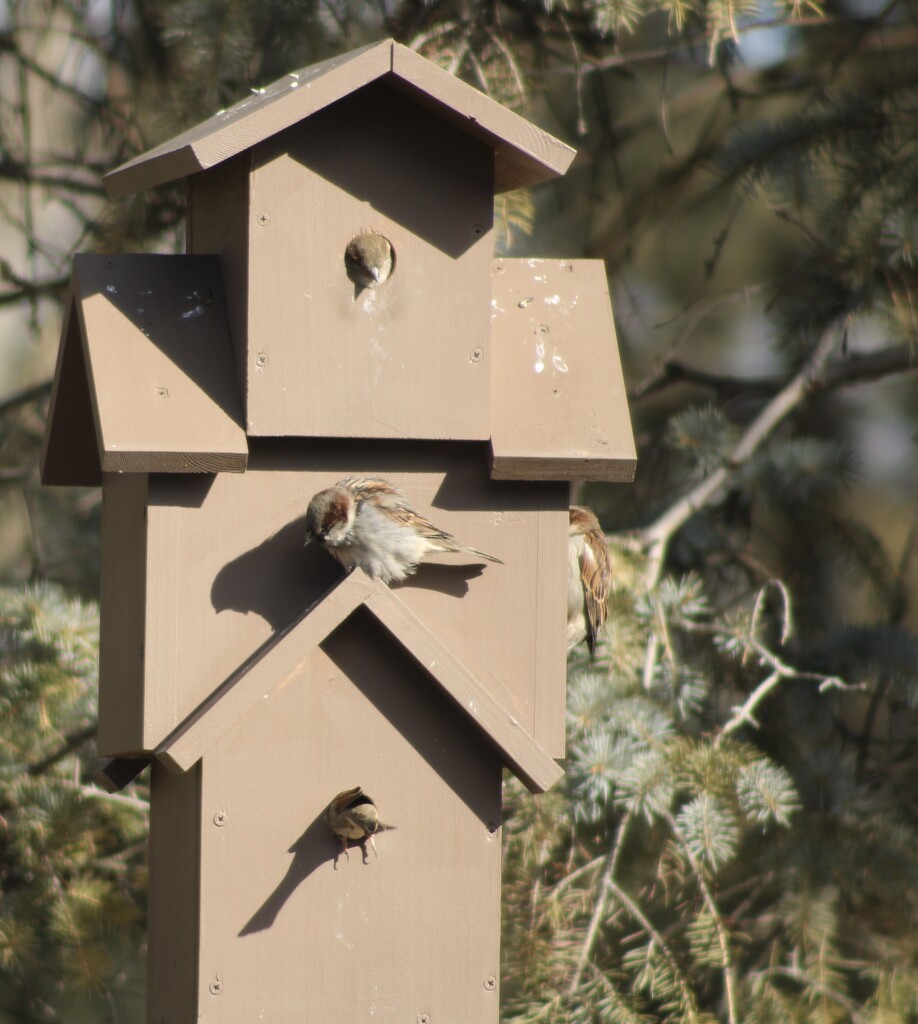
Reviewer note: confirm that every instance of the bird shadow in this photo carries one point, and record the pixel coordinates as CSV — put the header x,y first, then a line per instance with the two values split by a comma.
x,y
451,580
277,578
313,848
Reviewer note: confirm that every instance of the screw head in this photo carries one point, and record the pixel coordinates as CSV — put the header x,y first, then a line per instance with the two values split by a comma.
x,y
423,1018
477,230
216,987
263,218
220,819
475,355
490,983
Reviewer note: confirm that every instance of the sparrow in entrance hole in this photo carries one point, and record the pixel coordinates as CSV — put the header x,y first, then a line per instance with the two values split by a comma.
x,y
369,259
352,815
589,577
364,521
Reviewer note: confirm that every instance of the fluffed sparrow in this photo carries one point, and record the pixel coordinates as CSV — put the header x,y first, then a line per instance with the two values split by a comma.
x,y
369,259
352,815
589,578
364,521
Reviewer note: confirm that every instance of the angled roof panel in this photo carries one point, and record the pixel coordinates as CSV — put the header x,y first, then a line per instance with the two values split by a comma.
x,y
145,380
524,154
286,651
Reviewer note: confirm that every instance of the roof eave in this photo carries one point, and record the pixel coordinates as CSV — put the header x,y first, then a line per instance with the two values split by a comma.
x,y
524,154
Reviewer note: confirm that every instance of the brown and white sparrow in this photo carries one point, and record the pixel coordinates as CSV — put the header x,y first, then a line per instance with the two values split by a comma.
x,y
369,259
589,577
352,815
365,521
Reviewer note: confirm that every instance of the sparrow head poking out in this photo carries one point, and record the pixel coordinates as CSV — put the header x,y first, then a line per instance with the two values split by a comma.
x,y
369,259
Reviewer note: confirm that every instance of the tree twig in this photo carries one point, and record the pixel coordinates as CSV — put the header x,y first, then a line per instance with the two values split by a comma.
x,y
658,535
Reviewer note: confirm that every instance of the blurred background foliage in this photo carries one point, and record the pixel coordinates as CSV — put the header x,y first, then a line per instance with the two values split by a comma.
x,y
735,839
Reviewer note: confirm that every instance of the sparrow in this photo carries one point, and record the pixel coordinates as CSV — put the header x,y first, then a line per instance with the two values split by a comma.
x,y
369,259
353,815
366,521
589,577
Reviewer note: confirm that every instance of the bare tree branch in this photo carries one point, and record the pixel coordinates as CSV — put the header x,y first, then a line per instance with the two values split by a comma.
x,y
657,536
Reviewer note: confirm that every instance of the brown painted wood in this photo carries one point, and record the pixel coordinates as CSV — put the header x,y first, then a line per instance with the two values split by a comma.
x,y
123,613
410,358
529,762
159,361
559,408
174,924
286,652
69,455
227,569
292,930
217,220
271,665
524,155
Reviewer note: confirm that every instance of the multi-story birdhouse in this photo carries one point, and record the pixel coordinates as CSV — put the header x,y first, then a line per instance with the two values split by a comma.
x,y
212,395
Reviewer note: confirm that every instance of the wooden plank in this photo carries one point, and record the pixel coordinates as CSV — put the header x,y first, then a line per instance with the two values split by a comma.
x,y
283,655
227,568
123,597
274,662
161,373
410,358
252,120
174,926
524,154
69,453
529,762
559,409
550,653
293,930
218,220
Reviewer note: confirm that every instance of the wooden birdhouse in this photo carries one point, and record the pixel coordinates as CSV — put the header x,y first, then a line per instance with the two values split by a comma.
x,y
212,395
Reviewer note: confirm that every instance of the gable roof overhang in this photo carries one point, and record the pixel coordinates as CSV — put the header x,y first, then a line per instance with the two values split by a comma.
x,y
524,154
285,653
145,379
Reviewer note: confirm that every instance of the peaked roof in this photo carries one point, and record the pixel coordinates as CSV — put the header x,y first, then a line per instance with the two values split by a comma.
x,y
524,154
285,652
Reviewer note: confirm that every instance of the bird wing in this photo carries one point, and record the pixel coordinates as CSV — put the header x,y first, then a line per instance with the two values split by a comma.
x,y
394,505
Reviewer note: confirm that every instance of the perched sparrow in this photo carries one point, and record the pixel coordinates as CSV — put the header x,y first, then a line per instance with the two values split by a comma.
x,y
365,521
353,815
589,578
369,259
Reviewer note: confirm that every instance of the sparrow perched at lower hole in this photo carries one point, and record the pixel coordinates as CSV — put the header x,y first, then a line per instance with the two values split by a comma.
x,y
352,815
589,577
366,521
369,259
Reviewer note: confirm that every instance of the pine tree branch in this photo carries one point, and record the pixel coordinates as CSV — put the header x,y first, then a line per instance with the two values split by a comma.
x,y
723,938
71,742
744,714
599,911
854,369
658,535
95,793
849,1005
